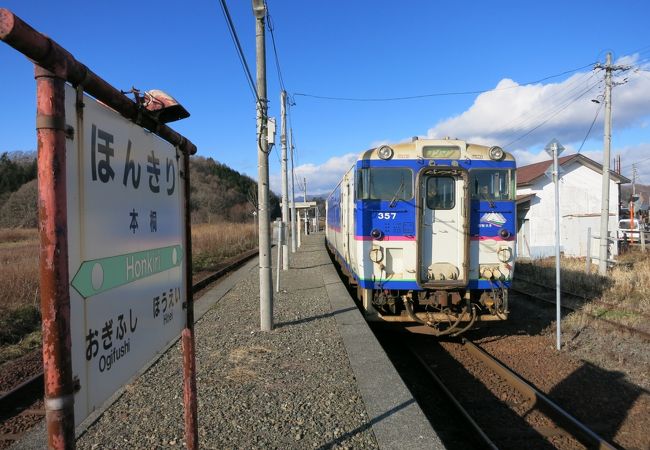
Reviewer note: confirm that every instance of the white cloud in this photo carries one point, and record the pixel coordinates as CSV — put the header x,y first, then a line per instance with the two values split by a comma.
x,y
509,114
321,179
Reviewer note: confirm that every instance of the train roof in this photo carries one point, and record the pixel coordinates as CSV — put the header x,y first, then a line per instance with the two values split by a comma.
x,y
435,149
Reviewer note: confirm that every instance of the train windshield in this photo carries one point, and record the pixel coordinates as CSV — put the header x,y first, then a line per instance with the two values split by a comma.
x,y
492,184
390,184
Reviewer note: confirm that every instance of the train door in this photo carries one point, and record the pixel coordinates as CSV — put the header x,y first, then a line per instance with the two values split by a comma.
x,y
345,218
444,228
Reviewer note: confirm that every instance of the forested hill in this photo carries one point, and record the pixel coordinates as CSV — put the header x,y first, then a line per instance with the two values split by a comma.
x,y
218,193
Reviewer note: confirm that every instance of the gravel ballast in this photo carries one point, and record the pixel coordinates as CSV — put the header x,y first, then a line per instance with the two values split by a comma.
x,y
289,388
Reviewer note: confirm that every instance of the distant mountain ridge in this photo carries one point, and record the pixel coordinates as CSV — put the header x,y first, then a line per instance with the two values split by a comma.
x,y
218,193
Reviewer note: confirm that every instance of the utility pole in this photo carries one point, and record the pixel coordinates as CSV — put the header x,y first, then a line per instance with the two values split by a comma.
x,y
264,239
294,239
285,181
604,213
604,210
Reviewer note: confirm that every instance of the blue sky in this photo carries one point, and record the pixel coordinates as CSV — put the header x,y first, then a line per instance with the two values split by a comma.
x,y
361,49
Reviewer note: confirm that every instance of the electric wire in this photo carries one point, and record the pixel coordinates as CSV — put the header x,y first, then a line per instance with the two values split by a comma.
x,y
435,94
636,162
240,52
270,26
553,115
600,105
555,101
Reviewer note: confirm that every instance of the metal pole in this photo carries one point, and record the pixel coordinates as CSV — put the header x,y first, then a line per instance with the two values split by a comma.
x,y
642,235
556,176
285,181
266,277
588,262
54,277
280,246
306,221
294,238
604,211
299,229
187,336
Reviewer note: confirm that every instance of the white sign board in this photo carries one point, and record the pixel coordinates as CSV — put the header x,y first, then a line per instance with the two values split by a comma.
x,y
126,252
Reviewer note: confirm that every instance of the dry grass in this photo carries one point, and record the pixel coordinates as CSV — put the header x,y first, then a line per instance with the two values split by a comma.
x,y
627,284
8,235
213,243
19,297
19,274
19,293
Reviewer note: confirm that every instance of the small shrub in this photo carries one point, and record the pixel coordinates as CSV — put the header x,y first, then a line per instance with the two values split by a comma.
x,y
17,323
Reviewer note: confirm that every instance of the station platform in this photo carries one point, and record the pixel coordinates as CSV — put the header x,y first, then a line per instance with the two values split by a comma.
x,y
319,379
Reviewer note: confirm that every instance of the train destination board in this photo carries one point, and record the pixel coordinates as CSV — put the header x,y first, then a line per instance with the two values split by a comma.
x,y
126,255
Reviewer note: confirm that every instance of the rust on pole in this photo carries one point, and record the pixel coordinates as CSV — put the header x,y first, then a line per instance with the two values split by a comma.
x,y
53,262
51,56
187,336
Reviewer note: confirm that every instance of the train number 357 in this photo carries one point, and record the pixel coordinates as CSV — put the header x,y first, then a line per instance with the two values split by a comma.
x,y
386,215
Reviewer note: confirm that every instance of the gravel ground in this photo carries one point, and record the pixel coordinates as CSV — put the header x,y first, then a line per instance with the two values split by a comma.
x,y
289,388
600,376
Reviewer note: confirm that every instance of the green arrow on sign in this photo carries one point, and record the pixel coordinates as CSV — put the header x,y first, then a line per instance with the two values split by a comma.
x,y
100,275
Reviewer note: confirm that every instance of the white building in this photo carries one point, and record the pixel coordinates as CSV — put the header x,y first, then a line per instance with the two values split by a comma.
x,y
580,205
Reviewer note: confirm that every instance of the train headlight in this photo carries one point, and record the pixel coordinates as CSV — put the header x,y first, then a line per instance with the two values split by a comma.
x,y
496,153
376,255
376,234
504,254
486,272
385,152
505,234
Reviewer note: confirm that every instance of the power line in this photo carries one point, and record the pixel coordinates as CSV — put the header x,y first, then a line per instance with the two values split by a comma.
x,y
275,48
553,115
436,94
555,101
600,105
636,162
240,52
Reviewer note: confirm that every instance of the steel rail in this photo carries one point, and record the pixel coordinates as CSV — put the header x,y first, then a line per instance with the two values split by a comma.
x,y
477,429
537,398
644,334
17,393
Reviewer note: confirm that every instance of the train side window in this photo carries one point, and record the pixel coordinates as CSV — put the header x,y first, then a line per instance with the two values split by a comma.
x,y
362,184
441,193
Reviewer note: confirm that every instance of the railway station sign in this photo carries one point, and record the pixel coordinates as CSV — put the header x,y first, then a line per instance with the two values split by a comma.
x,y
125,244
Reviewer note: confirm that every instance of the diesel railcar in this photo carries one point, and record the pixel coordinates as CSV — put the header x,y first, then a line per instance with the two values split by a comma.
x,y
425,230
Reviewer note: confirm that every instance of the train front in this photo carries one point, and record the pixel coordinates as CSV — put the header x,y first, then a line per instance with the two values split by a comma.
x,y
435,233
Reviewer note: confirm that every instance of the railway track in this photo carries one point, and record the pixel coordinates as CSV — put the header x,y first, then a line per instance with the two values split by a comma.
x,y
21,405
492,435
616,325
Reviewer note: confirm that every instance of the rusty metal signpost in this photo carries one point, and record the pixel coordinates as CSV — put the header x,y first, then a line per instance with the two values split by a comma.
x,y
114,225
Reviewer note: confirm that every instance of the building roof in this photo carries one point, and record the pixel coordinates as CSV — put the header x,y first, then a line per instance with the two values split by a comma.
x,y
526,175
523,198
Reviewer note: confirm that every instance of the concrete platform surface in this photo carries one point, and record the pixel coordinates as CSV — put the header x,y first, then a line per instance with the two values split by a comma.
x,y
319,379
